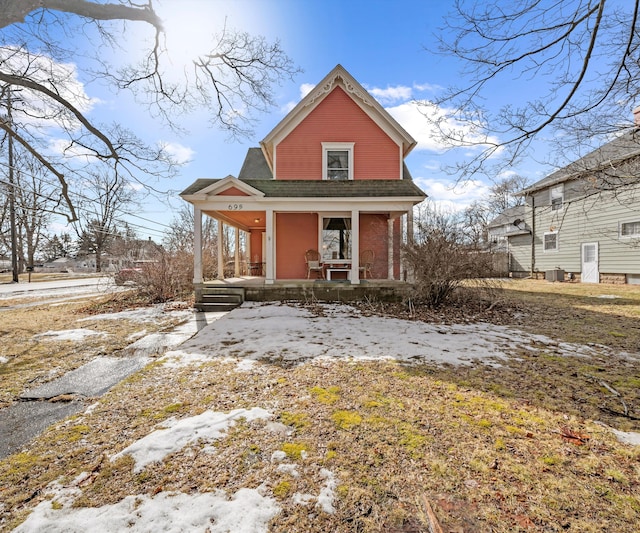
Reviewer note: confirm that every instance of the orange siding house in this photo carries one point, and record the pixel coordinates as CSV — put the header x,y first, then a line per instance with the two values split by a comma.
x,y
329,178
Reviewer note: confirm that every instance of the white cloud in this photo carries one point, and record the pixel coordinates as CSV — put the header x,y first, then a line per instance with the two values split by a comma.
x,y
69,151
179,154
451,196
414,117
389,95
426,87
33,107
305,89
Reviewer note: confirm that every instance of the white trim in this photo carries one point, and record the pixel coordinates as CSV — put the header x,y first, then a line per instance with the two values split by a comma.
x,y
390,248
355,247
270,256
339,77
341,147
197,245
544,244
224,184
220,249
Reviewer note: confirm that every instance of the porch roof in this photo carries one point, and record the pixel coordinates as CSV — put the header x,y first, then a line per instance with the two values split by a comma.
x,y
322,188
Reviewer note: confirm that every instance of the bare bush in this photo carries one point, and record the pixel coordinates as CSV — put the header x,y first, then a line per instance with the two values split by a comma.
x,y
169,277
442,262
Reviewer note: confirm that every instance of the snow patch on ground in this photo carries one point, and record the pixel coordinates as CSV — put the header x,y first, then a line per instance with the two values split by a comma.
x,y
69,335
176,434
3,360
247,511
627,437
292,334
143,314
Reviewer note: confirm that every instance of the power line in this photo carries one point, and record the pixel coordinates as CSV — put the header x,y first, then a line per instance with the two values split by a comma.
x,y
93,200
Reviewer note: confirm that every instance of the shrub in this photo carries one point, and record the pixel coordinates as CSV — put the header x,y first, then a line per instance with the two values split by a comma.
x,y
169,277
441,261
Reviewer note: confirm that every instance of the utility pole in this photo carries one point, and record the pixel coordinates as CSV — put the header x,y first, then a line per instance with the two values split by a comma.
x,y
12,195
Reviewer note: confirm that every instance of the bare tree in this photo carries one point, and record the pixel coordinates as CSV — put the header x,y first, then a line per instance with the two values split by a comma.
x,y
38,46
503,194
179,239
34,206
105,198
473,221
587,52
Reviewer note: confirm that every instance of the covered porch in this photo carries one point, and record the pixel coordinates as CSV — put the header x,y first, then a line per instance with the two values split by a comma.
x,y
305,234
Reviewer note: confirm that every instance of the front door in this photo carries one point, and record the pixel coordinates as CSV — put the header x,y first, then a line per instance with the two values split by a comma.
x,y
590,272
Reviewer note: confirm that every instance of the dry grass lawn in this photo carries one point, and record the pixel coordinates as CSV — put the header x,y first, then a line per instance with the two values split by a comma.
x,y
508,448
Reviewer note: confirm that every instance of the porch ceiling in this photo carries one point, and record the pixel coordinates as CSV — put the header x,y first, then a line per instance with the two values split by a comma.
x,y
244,220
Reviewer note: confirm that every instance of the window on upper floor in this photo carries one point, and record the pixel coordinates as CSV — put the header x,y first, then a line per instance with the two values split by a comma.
x,y
630,229
337,161
557,197
551,241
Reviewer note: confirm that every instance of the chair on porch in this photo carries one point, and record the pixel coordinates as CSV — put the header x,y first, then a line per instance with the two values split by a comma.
x,y
366,262
312,259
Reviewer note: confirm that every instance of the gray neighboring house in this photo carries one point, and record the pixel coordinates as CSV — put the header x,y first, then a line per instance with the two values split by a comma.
x,y
510,234
581,222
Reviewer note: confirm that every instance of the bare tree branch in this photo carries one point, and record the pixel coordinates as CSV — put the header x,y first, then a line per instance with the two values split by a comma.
x,y
12,11
585,54
40,72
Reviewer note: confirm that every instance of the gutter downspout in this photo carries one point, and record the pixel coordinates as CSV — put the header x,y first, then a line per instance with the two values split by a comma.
x,y
533,235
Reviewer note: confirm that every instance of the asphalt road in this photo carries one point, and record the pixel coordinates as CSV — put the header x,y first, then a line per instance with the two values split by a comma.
x,y
56,291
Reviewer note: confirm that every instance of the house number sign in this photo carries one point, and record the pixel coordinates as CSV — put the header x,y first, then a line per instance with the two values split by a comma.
x,y
234,207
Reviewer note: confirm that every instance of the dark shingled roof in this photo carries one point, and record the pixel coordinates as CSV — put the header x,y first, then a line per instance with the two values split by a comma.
x,y
255,166
508,216
322,188
624,147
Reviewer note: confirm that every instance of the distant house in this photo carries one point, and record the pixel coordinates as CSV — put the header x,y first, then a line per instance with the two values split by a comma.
x,y
583,221
330,178
507,224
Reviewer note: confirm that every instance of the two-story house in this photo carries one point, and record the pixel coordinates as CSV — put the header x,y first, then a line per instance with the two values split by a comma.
x,y
582,222
330,178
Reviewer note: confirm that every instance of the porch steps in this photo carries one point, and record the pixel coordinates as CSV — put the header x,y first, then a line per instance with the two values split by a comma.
x,y
220,299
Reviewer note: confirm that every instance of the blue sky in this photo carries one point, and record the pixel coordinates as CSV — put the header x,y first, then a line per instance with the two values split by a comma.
x,y
388,46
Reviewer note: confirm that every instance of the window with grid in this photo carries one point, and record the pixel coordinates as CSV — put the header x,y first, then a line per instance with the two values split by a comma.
x,y
630,229
551,241
337,161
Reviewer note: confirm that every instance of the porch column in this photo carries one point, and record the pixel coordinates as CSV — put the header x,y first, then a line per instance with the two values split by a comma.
x,y
410,240
197,245
390,247
236,255
220,249
270,245
247,252
355,247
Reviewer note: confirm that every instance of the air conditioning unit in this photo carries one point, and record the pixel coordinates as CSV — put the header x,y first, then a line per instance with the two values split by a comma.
x,y
557,274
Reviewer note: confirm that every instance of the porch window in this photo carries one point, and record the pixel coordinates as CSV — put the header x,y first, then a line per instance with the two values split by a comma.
x,y
337,161
551,241
557,197
336,238
630,229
